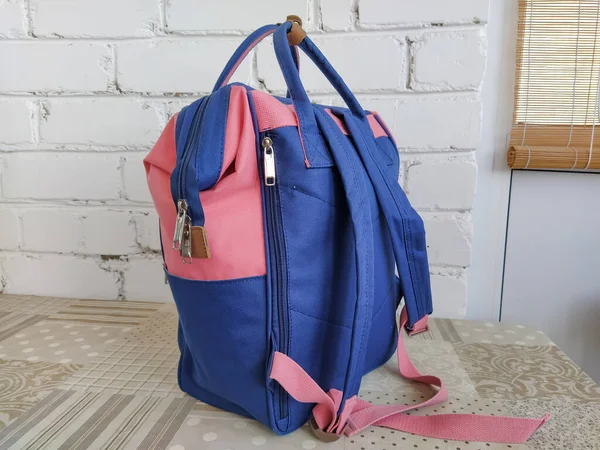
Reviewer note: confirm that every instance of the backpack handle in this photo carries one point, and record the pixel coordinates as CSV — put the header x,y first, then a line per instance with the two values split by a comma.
x,y
286,34
307,125
292,78
246,47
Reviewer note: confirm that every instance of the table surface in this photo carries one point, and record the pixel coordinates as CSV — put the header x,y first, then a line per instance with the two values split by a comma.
x,y
79,374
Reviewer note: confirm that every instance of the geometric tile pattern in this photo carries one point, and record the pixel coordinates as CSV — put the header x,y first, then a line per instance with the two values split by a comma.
x,y
131,369
99,312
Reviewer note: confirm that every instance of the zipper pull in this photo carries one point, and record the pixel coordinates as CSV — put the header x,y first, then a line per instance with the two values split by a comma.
x,y
179,224
186,245
269,161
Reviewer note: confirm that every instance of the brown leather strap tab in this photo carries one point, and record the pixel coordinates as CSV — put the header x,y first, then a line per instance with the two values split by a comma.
x,y
296,34
200,247
294,18
323,435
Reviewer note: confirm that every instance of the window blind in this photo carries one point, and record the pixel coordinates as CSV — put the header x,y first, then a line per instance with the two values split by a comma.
x,y
556,105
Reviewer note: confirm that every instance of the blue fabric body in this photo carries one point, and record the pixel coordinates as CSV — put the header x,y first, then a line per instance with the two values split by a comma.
x,y
335,234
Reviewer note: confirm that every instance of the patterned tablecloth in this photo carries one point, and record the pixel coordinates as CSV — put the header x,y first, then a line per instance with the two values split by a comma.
x,y
87,374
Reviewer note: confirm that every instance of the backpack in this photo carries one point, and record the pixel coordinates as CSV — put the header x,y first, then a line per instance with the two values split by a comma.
x,y
288,245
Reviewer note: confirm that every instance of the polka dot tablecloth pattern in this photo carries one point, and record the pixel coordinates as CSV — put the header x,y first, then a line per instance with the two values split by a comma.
x,y
103,374
59,342
203,430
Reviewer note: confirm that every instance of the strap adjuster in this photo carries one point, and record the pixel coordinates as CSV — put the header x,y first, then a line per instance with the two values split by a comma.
x,y
419,327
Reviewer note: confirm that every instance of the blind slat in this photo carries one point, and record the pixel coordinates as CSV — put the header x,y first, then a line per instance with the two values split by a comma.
x,y
555,120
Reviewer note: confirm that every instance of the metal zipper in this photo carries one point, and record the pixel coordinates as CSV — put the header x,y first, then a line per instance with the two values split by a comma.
x,y
278,256
269,161
182,238
182,207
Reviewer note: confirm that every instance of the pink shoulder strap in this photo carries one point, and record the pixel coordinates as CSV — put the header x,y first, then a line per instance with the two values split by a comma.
x,y
358,414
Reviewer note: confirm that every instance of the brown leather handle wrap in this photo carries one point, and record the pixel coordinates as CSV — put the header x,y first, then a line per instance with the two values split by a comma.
x,y
294,18
296,33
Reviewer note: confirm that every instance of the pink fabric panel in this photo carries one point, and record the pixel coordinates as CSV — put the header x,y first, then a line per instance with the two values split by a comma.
x,y
271,114
233,207
378,130
159,164
338,121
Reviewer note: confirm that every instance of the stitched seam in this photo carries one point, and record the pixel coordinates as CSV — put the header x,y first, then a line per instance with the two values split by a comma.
x,y
287,303
221,148
285,243
388,159
302,191
318,318
234,281
385,128
387,296
300,137
378,218
197,156
204,245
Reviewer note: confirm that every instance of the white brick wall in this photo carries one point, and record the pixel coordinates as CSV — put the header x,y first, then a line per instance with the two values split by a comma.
x,y
9,224
53,66
15,117
52,230
462,54
144,279
440,182
92,83
449,289
438,122
176,65
383,59
229,15
11,19
134,178
414,12
61,176
58,275
106,18
102,121
108,232
338,15
448,238
146,227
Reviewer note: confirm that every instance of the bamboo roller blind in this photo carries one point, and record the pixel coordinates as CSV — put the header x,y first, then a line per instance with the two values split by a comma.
x,y
556,114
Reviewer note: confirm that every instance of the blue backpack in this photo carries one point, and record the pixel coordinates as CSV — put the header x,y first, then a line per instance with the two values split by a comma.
x,y
283,226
